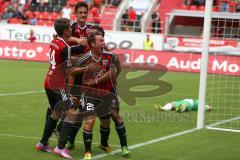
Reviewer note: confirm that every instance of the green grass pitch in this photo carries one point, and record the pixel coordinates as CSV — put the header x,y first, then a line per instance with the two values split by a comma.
x,y
23,116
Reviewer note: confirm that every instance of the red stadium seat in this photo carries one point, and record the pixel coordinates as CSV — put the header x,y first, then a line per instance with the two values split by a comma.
x,y
45,15
13,20
72,2
54,16
231,9
184,7
40,22
37,15
232,4
215,9
49,23
193,7
201,8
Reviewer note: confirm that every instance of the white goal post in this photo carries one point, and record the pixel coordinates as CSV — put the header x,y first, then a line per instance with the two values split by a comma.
x,y
220,90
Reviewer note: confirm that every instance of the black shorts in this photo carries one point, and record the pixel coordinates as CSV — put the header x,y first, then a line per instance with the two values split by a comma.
x,y
99,106
55,97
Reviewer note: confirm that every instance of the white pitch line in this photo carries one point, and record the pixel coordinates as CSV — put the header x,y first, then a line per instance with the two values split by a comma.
x,y
20,93
212,126
38,138
163,138
147,143
224,121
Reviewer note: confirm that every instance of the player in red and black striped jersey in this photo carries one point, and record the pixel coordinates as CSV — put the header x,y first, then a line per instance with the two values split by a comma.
x,y
80,28
59,55
55,81
101,83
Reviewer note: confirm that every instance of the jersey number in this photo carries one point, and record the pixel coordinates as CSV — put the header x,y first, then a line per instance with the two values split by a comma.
x,y
90,107
52,59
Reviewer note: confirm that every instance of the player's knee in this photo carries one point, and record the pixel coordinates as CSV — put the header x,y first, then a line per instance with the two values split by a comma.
x,y
105,123
89,123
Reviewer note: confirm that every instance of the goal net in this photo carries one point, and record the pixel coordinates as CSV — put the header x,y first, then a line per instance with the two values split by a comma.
x,y
223,83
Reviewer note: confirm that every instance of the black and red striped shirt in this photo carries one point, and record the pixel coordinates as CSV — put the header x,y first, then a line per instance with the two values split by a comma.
x,y
59,55
105,62
79,32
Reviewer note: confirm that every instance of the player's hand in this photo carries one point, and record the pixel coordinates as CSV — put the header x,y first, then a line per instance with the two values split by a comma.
x,y
93,67
75,102
82,41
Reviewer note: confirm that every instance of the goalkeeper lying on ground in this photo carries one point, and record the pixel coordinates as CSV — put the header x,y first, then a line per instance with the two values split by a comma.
x,y
182,106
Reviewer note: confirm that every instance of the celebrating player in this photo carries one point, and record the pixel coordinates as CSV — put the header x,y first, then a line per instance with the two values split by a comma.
x,y
101,84
59,55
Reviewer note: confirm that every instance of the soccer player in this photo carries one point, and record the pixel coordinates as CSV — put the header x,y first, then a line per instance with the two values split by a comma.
x,y
101,84
80,28
183,106
55,87
59,54
80,31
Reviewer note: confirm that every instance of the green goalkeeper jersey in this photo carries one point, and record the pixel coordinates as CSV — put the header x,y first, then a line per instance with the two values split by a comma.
x,y
191,105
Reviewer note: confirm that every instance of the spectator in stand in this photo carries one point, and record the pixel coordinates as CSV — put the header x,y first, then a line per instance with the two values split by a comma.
x,y
201,2
187,2
66,11
224,6
41,7
31,18
195,2
148,43
25,18
27,5
6,14
115,3
156,22
124,21
108,2
21,3
137,25
32,38
95,15
237,7
18,13
97,3
132,16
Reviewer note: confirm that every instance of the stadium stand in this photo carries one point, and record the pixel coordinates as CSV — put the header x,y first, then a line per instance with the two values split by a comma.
x,y
46,12
107,18
104,12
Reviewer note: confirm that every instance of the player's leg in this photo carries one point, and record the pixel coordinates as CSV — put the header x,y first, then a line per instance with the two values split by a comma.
x,y
87,136
67,124
49,112
73,135
89,113
50,123
105,132
120,127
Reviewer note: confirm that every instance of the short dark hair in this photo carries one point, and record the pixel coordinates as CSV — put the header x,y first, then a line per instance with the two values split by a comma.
x,y
99,29
81,4
60,25
92,37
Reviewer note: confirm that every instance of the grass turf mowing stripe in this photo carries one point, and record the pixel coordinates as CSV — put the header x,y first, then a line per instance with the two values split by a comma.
x,y
147,143
21,93
38,138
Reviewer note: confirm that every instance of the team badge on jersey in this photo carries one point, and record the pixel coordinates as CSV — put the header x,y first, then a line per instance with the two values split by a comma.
x,y
105,62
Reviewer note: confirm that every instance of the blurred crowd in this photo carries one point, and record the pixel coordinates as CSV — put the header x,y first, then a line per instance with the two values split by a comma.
x,y
219,5
32,11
